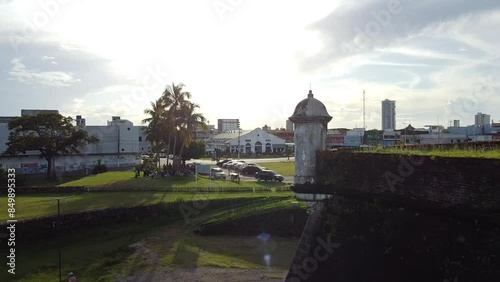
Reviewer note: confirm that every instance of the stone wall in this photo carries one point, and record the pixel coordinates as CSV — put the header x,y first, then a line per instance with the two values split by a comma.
x,y
447,182
371,241
401,218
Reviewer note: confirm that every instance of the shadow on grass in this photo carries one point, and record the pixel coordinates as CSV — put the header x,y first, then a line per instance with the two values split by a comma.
x,y
94,254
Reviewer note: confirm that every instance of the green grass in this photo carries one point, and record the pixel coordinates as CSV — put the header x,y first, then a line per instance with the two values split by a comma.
x,y
105,253
96,254
244,252
469,152
283,168
39,205
126,179
260,206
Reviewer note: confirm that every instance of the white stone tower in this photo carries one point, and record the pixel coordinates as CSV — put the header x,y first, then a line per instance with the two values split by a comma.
x,y
311,121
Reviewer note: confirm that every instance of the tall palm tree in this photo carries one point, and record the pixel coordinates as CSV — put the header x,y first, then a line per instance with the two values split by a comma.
x,y
155,122
191,121
173,97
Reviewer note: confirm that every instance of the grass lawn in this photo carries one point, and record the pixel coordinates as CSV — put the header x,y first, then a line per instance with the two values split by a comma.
x,y
283,168
229,252
108,252
96,254
39,205
126,179
493,153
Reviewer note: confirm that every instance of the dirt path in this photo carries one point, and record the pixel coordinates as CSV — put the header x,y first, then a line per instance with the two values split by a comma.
x,y
149,255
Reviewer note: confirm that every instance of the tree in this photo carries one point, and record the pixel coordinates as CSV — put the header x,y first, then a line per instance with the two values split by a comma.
x,y
172,121
190,122
156,130
174,97
196,150
50,133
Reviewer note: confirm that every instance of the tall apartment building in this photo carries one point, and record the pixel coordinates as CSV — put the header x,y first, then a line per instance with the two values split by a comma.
x,y
225,124
482,119
388,114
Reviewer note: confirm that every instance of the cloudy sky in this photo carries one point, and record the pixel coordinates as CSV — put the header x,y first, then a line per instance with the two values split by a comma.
x,y
253,60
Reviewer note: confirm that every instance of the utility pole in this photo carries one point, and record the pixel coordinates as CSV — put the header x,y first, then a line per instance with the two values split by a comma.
x,y
239,134
58,223
364,112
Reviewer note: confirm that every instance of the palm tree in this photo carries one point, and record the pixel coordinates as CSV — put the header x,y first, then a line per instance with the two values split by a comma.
x,y
191,121
155,122
173,97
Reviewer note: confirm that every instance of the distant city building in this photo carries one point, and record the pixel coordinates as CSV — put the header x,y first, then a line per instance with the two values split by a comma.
x,y
266,127
80,122
224,125
456,123
482,119
289,125
36,112
6,119
388,114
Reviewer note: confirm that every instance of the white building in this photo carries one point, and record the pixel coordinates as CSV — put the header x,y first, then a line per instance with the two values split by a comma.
x,y
289,125
255,141
388,114
121,144
225,124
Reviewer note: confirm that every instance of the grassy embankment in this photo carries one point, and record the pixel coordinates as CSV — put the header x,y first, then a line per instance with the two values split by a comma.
x,y
109,252
105,253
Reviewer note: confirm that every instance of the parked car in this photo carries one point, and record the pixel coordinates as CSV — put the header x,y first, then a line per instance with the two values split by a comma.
x,y
233,165
268,175
221,163
217,173
228,164
250,170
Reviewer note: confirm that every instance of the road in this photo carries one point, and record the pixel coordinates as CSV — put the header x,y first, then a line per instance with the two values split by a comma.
x,y
256,160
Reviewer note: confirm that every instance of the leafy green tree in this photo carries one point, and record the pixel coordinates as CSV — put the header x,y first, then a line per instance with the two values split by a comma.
x,y
196,150
50,133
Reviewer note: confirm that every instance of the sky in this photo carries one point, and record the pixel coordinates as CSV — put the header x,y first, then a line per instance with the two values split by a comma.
x,y
253,60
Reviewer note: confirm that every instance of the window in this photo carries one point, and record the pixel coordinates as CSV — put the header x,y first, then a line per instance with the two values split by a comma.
x,y
128,128
140,138
123,149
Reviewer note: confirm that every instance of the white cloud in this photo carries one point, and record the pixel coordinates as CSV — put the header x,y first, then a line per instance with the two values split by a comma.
x,y
58,79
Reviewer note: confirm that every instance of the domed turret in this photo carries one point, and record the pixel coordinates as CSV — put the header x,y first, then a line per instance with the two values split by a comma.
x,y
310,110
310,119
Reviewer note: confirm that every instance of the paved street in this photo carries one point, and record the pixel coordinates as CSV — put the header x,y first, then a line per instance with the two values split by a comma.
x,y
256,160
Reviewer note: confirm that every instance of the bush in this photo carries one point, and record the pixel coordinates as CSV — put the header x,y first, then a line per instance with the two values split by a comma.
x,y
100,168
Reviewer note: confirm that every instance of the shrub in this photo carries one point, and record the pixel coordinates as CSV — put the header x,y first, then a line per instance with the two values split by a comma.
x,y
99,168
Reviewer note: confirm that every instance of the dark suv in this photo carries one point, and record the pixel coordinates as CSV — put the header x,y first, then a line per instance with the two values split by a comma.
x,y
268,175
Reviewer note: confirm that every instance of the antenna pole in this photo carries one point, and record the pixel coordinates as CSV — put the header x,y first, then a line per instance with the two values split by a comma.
x,y
364,112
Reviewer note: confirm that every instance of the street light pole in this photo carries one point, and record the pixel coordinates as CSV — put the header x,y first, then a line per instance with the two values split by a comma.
x,y
58,243
58,223
239,132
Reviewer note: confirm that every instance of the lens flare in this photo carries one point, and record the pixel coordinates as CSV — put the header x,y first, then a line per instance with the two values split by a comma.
x,y
267,259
